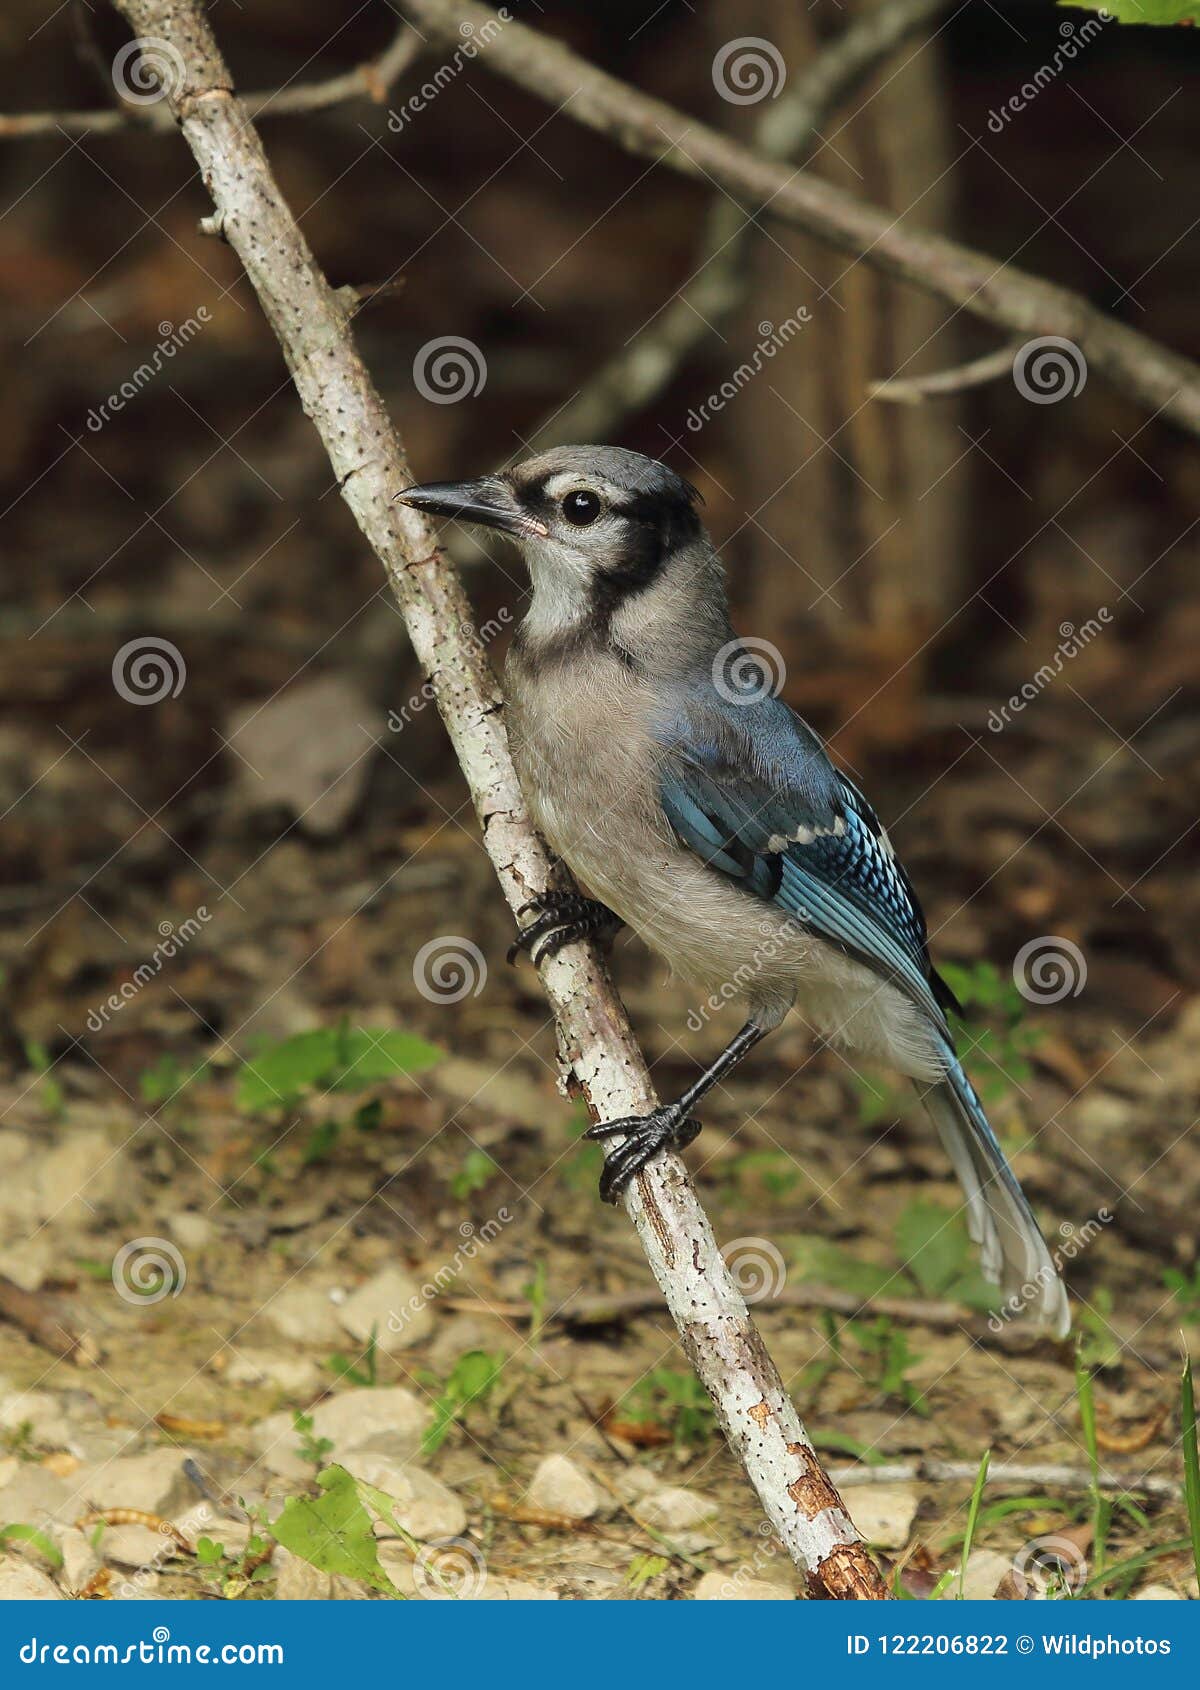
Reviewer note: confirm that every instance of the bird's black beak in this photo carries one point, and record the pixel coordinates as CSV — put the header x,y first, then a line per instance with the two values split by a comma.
x,y
489,501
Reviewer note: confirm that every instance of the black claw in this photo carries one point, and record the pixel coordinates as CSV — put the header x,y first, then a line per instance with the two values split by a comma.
x,y
643,1136
562,917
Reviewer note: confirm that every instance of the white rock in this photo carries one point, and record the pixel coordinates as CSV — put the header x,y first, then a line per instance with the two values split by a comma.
x,y
387,1418
75,1177
297,1375
80,1560
393,1305
884,1514
425,1507
30,1262
21,1582
985,1570
136,1546
36,1497
296,1581
155,1482
303,748
1157,1593
675,1509
191,1231
40,1411
727,1587
305,1315
390,1421
202,1520
560,1487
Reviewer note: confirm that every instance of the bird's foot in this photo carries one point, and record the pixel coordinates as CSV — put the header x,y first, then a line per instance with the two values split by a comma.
x,y
665,1128
560,919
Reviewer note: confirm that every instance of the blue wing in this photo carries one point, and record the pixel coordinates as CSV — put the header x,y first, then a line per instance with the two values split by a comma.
x,y
749,788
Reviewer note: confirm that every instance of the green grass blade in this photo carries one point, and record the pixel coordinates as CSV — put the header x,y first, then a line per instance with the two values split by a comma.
x,y
973,1518
1191,1459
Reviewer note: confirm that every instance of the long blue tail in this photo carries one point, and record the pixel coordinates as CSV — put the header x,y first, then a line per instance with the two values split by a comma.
x,y
1013,1253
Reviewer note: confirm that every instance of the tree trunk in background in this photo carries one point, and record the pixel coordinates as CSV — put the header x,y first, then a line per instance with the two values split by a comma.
x,y
855,548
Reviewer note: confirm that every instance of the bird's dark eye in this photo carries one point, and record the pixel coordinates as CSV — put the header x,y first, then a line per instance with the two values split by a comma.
x,y
581,507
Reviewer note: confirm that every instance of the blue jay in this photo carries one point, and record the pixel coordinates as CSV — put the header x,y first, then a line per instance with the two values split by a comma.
x,y
705,814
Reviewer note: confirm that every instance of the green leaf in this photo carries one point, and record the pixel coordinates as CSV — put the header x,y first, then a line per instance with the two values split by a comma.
x,y
280,1072
373,1054
333,1531
39,1540
1161,13
820,1262
934,1245
643,1568
332,1058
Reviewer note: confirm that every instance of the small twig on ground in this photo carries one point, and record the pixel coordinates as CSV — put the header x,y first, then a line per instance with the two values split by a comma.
x,y
47,1323
1050,1475
597,1047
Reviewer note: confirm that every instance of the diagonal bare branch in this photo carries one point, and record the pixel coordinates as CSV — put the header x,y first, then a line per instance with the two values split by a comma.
x,y
998,292
597,1048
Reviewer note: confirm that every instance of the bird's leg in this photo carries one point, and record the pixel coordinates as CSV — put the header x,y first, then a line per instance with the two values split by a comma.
x,y
561,918
669,1127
